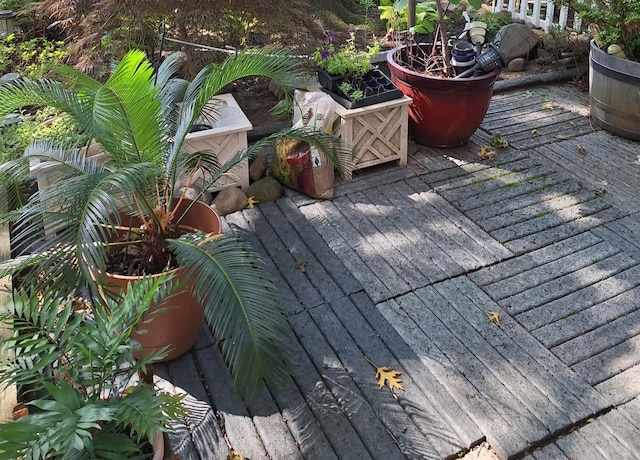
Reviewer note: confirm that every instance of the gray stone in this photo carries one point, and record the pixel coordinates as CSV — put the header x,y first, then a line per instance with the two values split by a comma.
x,y
516,65
517,40
195,192
229,200
258,167
265,190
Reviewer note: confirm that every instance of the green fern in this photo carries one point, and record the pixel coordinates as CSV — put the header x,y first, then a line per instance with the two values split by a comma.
x,y
77,357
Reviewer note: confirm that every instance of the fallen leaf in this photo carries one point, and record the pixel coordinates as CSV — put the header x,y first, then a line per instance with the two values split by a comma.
x,y
527,94
564,137
601,192
233,455
498,141
251,202
581,149
302,266
535,132
548,106
494,317
486,153
390,377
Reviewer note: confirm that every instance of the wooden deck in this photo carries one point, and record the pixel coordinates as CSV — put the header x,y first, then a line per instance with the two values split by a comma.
x,y
403,268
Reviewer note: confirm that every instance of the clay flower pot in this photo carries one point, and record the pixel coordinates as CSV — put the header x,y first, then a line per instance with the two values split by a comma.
x,y
176,321
445,112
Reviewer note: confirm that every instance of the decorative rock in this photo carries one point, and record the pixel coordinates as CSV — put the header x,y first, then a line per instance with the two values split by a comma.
x,y
193,192
258,167
516,65
517,40
265,190
229,200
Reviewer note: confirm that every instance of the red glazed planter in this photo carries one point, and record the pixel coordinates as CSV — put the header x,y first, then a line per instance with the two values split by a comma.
x,y
445,112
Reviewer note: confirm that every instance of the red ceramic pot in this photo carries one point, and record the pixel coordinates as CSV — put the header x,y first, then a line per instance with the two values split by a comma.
x,y
445,112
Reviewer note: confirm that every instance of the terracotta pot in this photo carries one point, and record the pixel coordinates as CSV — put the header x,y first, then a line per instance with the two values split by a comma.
x,y
445,112
158,445
176,322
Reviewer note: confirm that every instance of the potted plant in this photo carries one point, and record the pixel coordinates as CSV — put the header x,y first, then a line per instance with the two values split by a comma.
x,y
445,110
348,75
614,64
123,214
79,381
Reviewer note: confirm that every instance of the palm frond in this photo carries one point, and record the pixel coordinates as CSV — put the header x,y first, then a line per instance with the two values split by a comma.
x,y
240,306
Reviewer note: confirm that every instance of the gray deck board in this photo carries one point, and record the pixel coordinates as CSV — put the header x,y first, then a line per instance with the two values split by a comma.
x,y
346,394
402,268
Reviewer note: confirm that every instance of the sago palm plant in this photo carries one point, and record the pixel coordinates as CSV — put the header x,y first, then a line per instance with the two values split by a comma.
x,y
140,118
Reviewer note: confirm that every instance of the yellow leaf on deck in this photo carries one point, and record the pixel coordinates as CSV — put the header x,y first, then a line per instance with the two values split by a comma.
x,y
251,202
548,106
390,377
494,317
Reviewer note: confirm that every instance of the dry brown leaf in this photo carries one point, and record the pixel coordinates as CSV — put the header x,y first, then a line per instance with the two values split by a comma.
x,y
581,149
390,377
535,132
302,266
494,317
234,455
486,153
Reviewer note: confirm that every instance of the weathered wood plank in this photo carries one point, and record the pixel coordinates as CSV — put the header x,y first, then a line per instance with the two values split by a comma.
x,y
538,391
472,306
368,221
610,362
598,340
432,422
502,427
239,225
343,245
314,271
551,192
623,387
569,228
314,242
238,424
201,420
584,310
576,446
436,390
497,278
344,393
549,452
546,265
556,288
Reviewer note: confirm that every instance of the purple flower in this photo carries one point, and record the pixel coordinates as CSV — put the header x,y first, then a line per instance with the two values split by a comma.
x,y
324,54
331,37
349,32
389,36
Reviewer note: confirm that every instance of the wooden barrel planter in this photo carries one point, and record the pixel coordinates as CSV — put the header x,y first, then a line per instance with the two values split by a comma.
x,y
614,90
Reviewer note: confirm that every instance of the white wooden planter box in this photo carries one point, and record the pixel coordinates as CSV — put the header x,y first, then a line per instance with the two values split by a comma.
x,y
375,134
226,138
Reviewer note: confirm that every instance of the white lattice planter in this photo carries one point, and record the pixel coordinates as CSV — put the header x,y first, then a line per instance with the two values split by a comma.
x,y
226,138
375,134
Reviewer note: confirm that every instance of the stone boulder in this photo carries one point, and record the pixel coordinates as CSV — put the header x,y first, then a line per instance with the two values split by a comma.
x,y
517,41
265,190
229,200
258,167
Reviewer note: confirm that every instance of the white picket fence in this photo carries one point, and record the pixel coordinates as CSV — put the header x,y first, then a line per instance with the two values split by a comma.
x,y
541,13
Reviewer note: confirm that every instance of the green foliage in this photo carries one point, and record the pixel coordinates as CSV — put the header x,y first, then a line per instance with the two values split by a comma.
x,y
615,21
345,59
76,361
31,58
140,120
396,15
354,93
